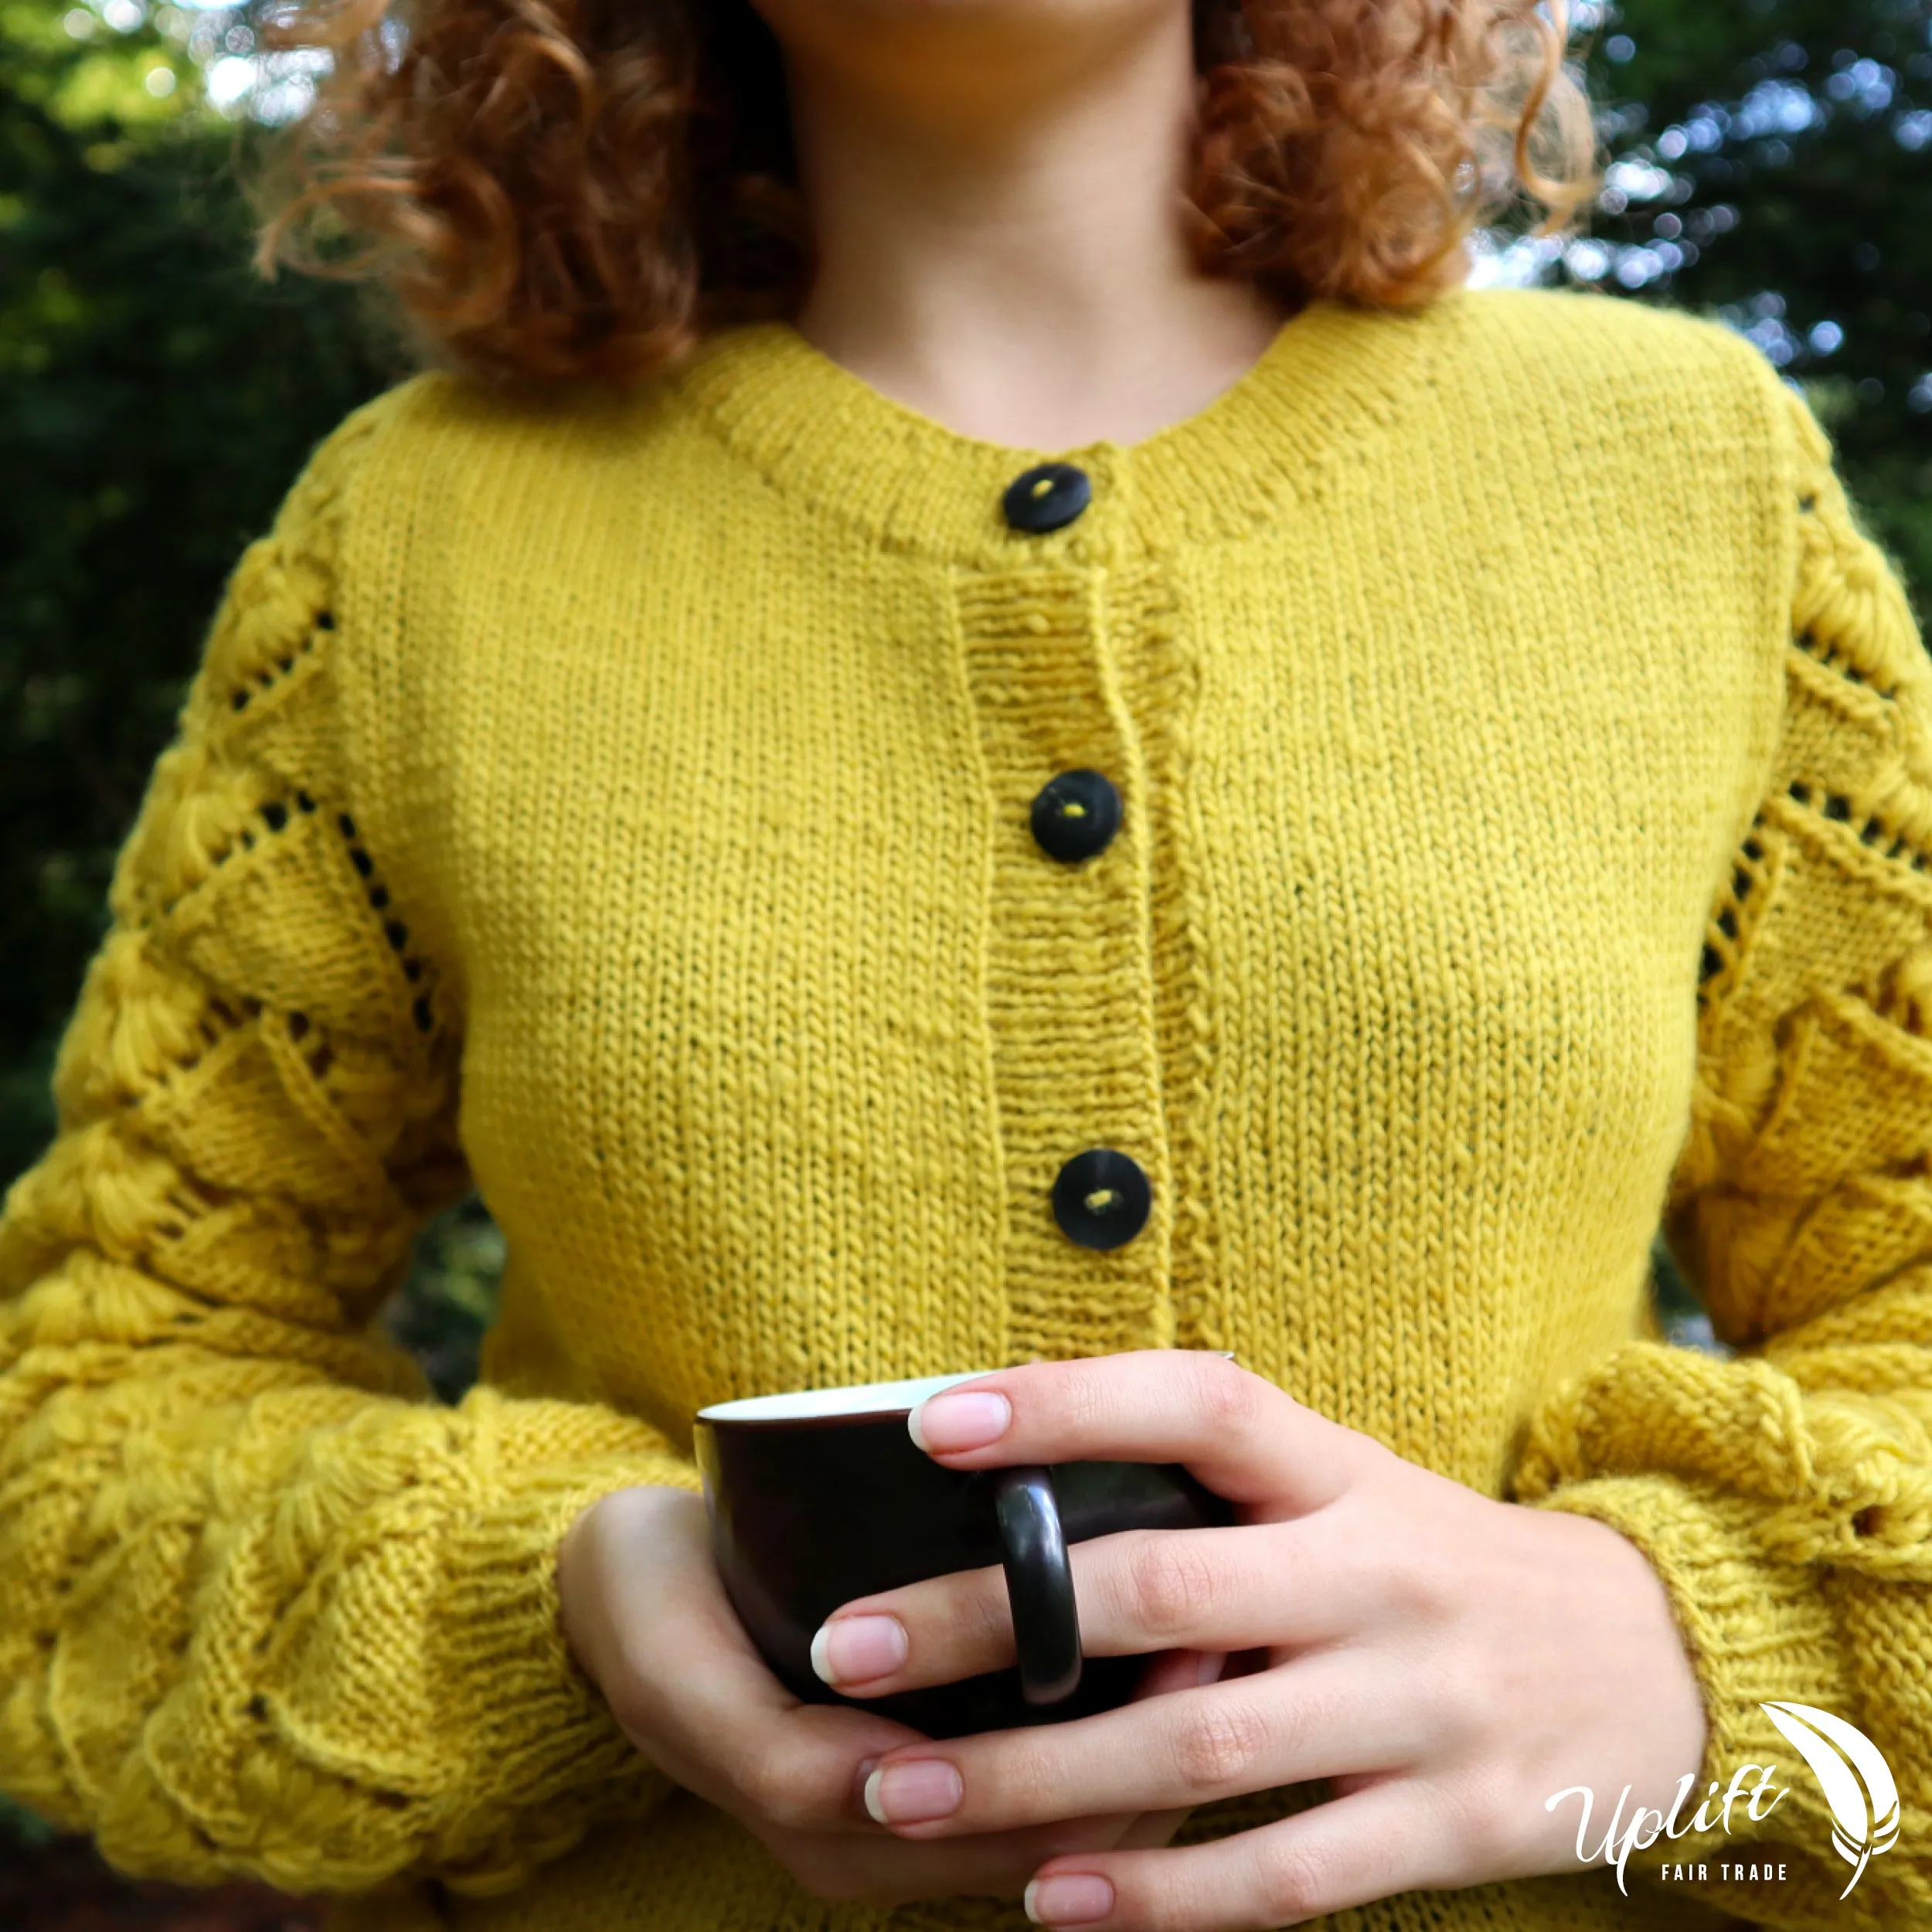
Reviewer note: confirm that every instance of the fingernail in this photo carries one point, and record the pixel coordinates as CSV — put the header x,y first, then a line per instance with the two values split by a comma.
x,y
910,1793
1073,1900
848,1650
967,1421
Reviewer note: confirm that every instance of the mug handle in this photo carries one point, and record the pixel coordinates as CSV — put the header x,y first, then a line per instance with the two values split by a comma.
x,y
1039,1583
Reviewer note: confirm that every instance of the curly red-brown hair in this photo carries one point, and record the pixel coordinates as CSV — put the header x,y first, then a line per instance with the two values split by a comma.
x,y
547,189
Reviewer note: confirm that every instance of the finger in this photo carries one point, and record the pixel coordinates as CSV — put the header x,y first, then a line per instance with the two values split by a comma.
x,y
1381,1840
1241,1435
1259,1585
704,1705
1324,1715
885,1870
1296,1583
799,1765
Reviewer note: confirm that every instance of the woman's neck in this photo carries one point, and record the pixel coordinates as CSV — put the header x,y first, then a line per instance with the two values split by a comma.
x,y
1004,254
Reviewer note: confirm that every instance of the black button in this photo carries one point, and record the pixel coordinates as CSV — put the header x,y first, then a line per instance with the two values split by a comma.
x,y
1101,1199
1043,499
1075,815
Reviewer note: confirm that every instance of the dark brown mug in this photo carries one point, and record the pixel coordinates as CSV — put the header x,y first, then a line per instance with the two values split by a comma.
x,y
819,1496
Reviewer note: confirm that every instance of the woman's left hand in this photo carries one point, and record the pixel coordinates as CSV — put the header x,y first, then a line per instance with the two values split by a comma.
x,y
1449,1662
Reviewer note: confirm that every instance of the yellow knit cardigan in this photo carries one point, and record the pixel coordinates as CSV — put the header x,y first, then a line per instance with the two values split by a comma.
x,y
623,804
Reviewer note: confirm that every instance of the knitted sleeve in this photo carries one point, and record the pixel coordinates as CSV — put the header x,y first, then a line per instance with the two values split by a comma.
x,y
1784,1495
270,1609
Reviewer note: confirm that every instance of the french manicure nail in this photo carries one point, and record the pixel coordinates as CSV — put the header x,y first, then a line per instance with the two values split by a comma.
x,y
849,1650
965,1421
912,1792
1075,1899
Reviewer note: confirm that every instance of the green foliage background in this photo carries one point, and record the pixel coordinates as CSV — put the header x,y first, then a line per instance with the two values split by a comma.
x,y
156,400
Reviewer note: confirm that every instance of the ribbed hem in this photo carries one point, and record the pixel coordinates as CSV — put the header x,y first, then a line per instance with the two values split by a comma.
x,y
1755,1630
1333,378
548,1759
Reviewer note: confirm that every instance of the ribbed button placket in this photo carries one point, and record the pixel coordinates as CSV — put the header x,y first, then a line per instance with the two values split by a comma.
x,y
1069,983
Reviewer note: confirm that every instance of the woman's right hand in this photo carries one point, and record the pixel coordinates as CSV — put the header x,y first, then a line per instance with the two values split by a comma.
x,y
646,1615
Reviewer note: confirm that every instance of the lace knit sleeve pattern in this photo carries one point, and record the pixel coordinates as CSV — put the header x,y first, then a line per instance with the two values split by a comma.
x,y
1785,1495
271,1610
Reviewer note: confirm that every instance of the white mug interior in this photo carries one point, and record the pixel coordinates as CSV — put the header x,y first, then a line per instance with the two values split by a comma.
x,y
854,1398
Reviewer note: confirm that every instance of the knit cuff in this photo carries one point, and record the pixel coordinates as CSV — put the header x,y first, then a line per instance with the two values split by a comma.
x,y
547,1748
1755,1631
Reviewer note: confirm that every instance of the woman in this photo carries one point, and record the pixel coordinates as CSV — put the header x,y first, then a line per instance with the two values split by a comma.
x,y
1483,784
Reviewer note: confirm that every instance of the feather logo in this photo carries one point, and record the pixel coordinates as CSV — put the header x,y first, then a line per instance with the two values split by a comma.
x,y
1855,1780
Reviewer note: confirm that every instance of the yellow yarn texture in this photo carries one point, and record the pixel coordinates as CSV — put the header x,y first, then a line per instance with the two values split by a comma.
x,y
622,805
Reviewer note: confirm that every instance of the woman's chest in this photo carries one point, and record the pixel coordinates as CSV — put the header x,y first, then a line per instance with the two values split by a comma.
x,y
803,975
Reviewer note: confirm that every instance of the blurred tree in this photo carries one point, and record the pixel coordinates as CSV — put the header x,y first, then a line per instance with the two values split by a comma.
x,y
1773,164
155,400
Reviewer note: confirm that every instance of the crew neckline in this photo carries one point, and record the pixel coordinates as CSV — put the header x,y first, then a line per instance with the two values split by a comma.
x,y
1332,377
